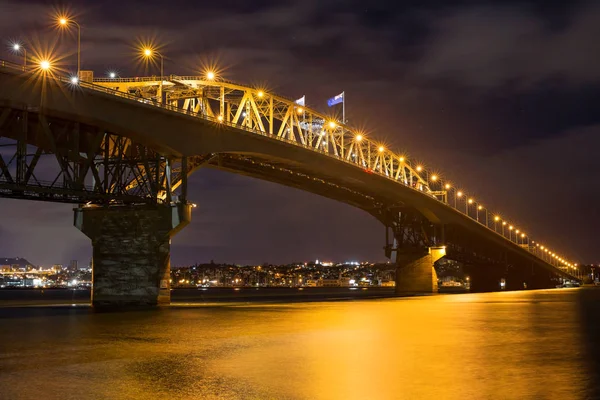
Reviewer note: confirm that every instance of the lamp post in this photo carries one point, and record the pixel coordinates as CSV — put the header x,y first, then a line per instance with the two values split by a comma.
x,y
457,194
469,201
149,53
17,49
63,21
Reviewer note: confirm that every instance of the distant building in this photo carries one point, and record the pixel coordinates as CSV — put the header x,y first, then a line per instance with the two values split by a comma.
x,y
15,264
73,266
328,282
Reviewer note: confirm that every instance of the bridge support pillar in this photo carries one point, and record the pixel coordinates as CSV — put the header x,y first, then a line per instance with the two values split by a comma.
x,y
415,273
131,252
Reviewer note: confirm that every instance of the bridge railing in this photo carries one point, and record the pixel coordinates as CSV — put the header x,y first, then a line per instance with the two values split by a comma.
x,y
531,249
131,80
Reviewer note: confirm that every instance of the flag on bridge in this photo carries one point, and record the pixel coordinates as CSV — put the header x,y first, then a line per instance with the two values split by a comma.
x,y
336,100
301,101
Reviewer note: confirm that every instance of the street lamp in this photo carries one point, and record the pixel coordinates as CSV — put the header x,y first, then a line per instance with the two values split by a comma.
x,y
64,22
45,65
17,49
496,219
469,201
510,228
456,194
479,208
149,54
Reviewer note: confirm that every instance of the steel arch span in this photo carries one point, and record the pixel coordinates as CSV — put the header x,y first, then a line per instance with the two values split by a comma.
x,y
184,123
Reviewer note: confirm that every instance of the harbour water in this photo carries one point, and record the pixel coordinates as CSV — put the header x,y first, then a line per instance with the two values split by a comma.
x,y
510,345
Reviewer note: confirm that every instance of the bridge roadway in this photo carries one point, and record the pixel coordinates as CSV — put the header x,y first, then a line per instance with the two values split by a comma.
x,y
178,133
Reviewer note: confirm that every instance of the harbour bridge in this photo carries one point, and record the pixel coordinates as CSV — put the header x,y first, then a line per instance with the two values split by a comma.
x,y
122,150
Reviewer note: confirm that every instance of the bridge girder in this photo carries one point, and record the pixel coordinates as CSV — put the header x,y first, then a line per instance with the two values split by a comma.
x,y
47,158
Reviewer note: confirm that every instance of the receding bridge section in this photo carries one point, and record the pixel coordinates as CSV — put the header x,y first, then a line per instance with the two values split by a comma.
x,y
123,150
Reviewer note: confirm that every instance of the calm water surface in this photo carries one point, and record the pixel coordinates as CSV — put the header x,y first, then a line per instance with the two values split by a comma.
x,y
514,345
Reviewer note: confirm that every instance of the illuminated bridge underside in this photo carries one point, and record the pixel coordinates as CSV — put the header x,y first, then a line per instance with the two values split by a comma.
x,y
283,152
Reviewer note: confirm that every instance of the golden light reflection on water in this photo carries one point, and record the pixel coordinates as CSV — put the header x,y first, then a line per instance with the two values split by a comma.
x,y
524,345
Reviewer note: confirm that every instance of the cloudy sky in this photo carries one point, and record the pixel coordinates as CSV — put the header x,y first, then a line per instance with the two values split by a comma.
x,y
501,97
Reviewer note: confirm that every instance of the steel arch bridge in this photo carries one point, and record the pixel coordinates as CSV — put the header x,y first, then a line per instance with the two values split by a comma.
x,y
139,138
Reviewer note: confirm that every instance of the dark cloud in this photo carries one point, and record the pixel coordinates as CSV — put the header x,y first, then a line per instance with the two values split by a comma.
x,y
497,45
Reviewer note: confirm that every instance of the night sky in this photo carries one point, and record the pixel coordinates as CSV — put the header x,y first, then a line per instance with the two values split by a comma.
x,y
500,97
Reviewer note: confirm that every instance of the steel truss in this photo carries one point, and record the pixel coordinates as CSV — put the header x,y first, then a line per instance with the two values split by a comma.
x,y
46,158
407,230
261,112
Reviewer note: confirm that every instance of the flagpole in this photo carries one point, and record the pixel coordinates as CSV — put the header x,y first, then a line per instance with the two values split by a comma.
x,y
344,108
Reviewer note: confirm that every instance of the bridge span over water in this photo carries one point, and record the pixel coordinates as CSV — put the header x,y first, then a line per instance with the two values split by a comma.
x,y
122,150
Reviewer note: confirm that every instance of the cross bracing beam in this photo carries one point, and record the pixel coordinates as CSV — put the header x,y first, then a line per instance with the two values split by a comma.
x,y
44,158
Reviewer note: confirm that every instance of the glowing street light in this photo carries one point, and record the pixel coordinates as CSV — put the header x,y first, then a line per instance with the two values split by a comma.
x,y
457,194
260,94
479,208
358,138
64,22
149,53
17,49
469,201
45,65
433,178
210,75
496,219
419,168
74,80
112,75
381,149
331,124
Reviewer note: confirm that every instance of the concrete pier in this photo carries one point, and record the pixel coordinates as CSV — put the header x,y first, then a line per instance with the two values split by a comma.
x,y
131,252
415,273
